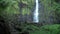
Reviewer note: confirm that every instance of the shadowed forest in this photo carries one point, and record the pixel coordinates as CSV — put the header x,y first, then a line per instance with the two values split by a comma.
x,y
29,16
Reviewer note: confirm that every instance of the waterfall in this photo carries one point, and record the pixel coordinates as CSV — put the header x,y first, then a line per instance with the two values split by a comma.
x,y
35,16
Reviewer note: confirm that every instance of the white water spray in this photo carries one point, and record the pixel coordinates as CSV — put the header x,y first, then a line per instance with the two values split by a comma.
x,y
35,17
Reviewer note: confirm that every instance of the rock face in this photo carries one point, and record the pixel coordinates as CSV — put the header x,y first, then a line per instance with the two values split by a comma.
x,y
46,15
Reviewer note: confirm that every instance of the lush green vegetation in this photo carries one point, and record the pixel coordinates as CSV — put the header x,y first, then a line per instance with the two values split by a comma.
x,y
11,9
47,29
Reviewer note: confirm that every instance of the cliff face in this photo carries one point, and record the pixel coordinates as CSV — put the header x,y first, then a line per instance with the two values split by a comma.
x,y
46,14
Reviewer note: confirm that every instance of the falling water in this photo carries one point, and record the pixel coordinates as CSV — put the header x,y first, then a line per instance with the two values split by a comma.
x,y
35,17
